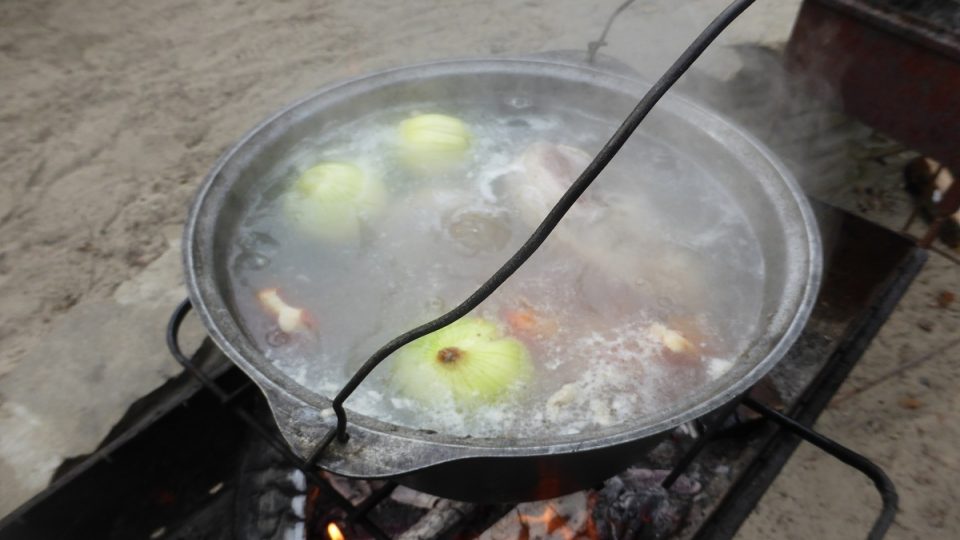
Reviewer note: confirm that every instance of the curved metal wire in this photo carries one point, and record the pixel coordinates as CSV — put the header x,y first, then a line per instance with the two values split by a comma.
x,y
356,514
600,161
594,46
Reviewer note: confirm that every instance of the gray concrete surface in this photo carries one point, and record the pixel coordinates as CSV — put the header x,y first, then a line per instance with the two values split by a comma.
x,y
111,112
899,407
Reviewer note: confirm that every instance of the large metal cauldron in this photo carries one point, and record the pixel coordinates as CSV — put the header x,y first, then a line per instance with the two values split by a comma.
x,y
501,469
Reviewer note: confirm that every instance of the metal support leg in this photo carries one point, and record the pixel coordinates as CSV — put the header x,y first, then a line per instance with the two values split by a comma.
x,y
888,492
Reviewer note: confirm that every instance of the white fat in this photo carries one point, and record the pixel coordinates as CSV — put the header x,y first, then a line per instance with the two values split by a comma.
x,y
716,367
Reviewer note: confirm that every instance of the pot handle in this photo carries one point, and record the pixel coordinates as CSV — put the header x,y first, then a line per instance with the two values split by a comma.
x,y
888,492
173,332
302,440
173,344
594,46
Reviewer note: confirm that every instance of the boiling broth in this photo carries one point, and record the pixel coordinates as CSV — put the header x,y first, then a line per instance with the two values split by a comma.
x,y
646,253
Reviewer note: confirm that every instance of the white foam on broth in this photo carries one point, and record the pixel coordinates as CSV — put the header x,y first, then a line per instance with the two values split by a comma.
x,y
663,245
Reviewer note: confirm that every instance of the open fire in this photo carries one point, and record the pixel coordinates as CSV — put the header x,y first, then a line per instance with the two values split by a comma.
x,y
633,504
333,532
184,450
565,518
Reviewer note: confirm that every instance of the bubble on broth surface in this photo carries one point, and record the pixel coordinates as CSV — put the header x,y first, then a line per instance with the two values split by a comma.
x,y
656,250
520,102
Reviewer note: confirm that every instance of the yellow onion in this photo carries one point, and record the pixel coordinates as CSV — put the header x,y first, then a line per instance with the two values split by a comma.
x,y
433,142
469,361
333,199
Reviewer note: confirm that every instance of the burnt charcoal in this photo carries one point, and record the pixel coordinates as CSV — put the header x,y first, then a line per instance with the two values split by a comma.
x,y
267,485
634,505
684,485
442,518
570,516
662,455
353,490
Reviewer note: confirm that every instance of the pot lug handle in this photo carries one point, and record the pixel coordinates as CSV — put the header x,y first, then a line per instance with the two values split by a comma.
x,y
185,361
594,46
310,435
306,432
307,429
299,424
173,343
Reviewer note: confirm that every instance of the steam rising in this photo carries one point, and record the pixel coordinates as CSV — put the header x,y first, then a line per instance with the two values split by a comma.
x,y
408,268
596,291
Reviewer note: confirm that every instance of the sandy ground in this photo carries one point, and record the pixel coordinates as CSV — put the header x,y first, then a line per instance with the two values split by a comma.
x,y
111,112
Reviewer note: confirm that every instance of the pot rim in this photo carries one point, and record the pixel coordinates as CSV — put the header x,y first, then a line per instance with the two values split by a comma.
x,y
282,391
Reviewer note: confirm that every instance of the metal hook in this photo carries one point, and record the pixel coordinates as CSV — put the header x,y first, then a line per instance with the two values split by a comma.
x,y
594,46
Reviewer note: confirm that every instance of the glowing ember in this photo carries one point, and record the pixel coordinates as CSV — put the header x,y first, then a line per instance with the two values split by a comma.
x,y
565,518
334,532
551,521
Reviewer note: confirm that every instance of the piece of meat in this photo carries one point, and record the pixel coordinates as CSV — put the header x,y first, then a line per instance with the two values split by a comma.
x,y
289,318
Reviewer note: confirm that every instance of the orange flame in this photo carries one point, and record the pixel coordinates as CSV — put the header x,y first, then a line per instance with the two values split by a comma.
x,y
552,522
557,525
334,532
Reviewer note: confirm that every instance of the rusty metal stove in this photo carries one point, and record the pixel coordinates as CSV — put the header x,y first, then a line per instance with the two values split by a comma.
x,y
186,463
894,64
